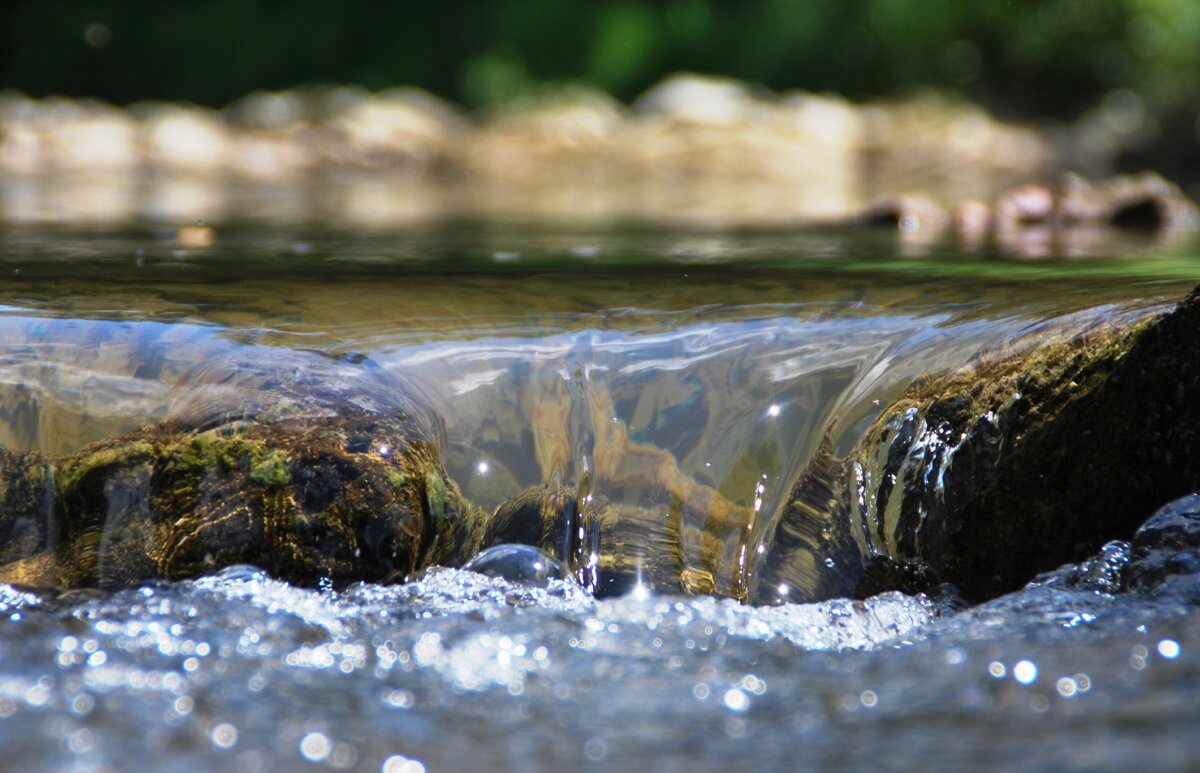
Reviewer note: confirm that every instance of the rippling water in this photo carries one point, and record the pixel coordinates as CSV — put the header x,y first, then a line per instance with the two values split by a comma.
x,y
570,355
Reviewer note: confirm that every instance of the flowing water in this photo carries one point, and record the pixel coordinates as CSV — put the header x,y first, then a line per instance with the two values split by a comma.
x,y
608,360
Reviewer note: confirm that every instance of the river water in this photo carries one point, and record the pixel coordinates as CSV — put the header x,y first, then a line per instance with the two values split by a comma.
x,y
603,359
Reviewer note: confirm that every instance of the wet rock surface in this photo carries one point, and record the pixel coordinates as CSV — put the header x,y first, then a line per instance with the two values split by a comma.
x,y
521,564
1021,462
329,474
1165,553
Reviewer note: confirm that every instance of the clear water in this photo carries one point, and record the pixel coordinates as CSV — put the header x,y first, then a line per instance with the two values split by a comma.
x,y
569,354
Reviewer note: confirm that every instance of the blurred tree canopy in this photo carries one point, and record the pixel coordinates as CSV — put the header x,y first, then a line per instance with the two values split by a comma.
x,y
1020,57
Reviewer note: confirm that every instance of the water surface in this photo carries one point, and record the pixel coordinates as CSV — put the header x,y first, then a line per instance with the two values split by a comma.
x,y
567,354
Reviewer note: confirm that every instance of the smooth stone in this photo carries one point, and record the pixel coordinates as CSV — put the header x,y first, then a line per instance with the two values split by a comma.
x,y
1166,550
520,564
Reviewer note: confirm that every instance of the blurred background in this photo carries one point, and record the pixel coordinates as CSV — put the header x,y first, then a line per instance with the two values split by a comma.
x,y
1019,57
1023,58
1108,85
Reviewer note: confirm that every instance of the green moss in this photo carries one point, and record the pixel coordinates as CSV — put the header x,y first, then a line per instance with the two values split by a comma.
x,y
72,473
435,497
1033,457
271,469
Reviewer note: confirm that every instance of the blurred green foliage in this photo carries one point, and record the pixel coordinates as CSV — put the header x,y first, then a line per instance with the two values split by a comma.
x,y
1021,57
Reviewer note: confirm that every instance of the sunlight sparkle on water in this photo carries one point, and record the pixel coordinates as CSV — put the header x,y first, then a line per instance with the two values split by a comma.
x,y
736,700
1025,671
400,764
315,747
224,736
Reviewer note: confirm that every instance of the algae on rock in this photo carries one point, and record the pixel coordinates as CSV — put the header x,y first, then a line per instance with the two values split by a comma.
x,y
1023,460
336,478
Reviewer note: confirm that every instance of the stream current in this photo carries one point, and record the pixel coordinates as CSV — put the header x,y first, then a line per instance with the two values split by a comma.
x,y
566,355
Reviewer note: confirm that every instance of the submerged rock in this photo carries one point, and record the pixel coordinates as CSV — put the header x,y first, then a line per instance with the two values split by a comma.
x,y
315,469
303,466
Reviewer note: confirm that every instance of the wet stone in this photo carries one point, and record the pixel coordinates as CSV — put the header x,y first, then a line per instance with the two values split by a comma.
x,y
1166,551
1175,525
884,573
1101,573
1004,480
521,564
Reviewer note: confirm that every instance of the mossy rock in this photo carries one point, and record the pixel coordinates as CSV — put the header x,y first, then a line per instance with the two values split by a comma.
x,y
309,468
1030,458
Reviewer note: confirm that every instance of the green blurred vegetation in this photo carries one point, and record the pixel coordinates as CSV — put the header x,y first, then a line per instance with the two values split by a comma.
x,y
1020,57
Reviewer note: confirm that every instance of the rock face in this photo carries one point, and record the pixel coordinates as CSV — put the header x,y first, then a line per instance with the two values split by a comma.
x,y
1021,462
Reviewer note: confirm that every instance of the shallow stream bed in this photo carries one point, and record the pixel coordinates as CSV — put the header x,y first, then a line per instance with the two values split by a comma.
x,y
570,355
